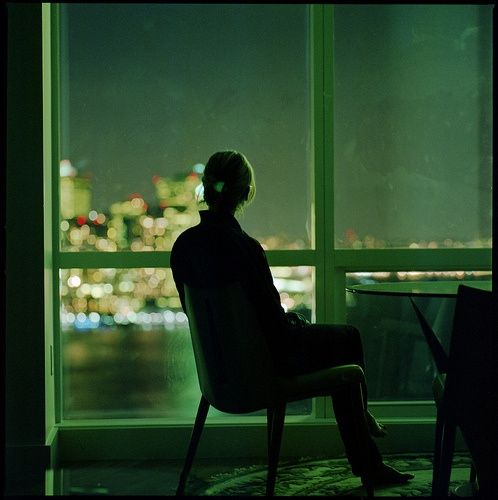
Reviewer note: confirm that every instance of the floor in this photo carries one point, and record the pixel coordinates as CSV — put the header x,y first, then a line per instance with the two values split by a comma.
x,y
128,478
124,477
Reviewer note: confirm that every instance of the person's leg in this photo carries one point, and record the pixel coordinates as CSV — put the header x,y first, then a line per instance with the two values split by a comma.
x,y
314,347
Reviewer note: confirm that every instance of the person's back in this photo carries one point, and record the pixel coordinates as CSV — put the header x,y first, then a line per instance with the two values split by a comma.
x,y
217,251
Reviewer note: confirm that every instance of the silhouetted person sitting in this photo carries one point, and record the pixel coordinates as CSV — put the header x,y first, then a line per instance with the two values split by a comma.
x,y
217,252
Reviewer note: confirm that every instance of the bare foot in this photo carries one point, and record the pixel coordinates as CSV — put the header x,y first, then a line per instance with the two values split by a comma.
x,y
385,474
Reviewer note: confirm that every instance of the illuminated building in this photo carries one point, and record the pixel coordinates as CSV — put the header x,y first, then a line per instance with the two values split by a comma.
x,y
75,192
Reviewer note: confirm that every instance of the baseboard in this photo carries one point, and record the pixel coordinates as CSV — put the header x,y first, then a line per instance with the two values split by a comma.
x,y
225,441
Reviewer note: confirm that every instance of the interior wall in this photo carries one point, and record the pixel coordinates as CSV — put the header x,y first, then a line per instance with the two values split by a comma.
x,y
24,232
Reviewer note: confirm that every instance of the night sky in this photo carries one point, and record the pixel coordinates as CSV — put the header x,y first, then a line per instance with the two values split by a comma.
x,y
157,88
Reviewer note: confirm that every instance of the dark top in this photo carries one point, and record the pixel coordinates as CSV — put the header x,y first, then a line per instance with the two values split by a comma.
x,y
218,252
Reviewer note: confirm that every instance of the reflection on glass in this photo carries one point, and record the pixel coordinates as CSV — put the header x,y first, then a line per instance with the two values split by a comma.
x,y
413,125
126,344
399,364
150,91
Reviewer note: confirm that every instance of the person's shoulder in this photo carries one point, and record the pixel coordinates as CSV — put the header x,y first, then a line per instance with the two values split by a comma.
x,y
253,242
184,238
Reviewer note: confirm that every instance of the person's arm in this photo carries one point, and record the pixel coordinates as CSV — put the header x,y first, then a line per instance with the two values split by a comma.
x,y
292,319
258,281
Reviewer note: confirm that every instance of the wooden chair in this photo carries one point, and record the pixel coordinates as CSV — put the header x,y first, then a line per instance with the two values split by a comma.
x,y
465,392
237,375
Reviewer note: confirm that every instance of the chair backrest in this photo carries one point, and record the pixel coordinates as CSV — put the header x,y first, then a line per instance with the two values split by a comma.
x,y
473,366
234,365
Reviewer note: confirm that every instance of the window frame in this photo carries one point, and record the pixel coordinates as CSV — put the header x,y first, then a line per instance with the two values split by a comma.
x,y
330,264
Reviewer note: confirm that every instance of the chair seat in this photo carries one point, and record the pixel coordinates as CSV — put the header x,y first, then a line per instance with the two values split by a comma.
x,y
237,374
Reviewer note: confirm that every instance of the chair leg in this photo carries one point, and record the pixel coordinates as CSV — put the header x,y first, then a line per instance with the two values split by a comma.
x,y
441,485
194,441
270,412
277,417
437,449
473,479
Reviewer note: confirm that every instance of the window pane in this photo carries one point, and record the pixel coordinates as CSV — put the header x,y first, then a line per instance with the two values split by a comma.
x,y
413,125
150,91
126,344
398,362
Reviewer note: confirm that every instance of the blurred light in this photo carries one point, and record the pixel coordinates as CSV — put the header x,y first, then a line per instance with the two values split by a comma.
x,y
66,169
94,317
137,202
97,276
169,316
74,281
181,317
81,317
161,222
157,317
107,320
64,225
118,318
81,219
108,288
97,291
148,222
126,286
92,215
101,244
198,168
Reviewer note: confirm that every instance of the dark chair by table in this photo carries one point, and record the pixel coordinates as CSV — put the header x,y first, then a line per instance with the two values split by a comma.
x,y
236,373
465,393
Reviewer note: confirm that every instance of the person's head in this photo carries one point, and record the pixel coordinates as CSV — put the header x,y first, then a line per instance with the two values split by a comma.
x,y
228,182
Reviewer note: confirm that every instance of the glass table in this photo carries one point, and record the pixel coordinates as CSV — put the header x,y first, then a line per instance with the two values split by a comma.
x,y
413,289
444,289
433,289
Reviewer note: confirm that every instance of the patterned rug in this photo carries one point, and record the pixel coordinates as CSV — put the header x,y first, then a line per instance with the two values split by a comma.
x,y
328,477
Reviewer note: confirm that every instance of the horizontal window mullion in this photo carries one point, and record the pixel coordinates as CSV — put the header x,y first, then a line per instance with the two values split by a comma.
x,y
442,259
87,260
291,257
362,260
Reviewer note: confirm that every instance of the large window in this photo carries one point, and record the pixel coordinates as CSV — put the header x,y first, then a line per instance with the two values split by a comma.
x,y
369,128
148,93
